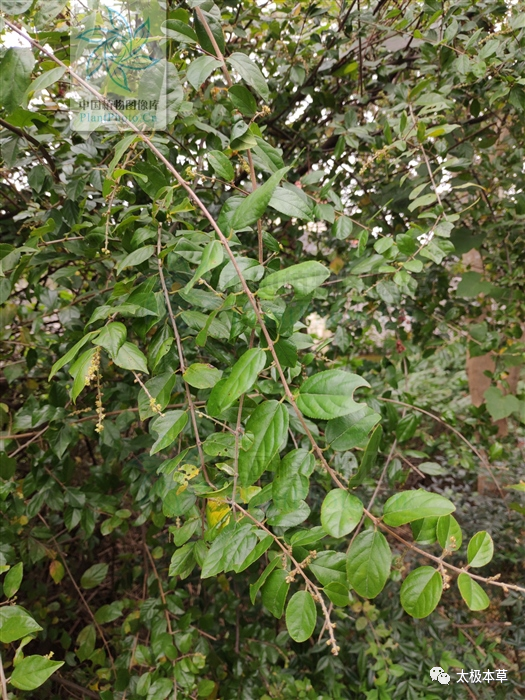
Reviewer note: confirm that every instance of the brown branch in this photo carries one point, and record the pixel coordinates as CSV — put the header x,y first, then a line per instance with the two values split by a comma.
x,y
478,454
34,142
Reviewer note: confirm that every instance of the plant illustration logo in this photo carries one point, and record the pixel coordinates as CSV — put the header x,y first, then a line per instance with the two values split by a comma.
x,y
438,674
119,49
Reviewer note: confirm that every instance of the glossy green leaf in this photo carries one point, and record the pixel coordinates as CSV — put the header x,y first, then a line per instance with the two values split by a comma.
x,y
350,431
301,616
183,561
269,426
480,549
200,70
408,506
424,530
112,337
15,76
421,591
202,376
15,623
292,479
329,567
472,593
243,100
304,278
340,513
212,256
159,388
337,593
292,202
167,428
254,205
275,591
368,563
180,31
130,357
221,165
80,370
329,394
241,379
13,579
449,533
72,353
256,587
368,459
94,576
32,671
137,257
250,72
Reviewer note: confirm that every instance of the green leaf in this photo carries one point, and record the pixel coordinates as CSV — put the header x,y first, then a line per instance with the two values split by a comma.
x,y
292,201
221,164
80,371
301,616
254,205
202,376
256,553
200,70
369,457
13,579
480,549
32,671
175,29
183,561
291,483
329,394
337,593
424,530
112,337
472,593
94,576
159,388
407,427
45,80
15,76
274,592
7,466
421,591
72,353
130,357
16,7
368,563
340,513
449,533
269,425
288,519
167,428
249,72
15,623
342,228
243,100
212,256
241,379
499,405
136,258
412,505
303,277
255,587
329,567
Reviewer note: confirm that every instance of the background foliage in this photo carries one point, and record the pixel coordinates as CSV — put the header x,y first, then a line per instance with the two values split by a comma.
x,y
184,463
